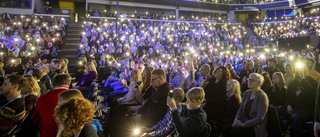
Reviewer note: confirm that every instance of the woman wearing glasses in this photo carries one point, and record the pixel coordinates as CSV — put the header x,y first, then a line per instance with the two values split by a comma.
x,y
250,120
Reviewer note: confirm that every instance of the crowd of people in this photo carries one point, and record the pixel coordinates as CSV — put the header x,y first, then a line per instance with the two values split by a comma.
x,y
162,55
271,29
29,40
289,29
166,79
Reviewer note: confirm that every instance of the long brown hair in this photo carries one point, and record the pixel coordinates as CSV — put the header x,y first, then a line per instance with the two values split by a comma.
x,y
282,82
225,73
267,79
146,81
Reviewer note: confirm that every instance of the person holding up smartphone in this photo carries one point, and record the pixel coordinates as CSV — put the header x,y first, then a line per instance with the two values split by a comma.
x,y
166,126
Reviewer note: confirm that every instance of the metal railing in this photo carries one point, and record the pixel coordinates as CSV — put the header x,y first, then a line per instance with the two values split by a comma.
x,y
156,20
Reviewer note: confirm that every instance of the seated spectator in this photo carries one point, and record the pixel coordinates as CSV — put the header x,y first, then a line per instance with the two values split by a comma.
x,y
55,68
233,100
80,68
204,75
289,76
279,90
45,76
146,76
251,120
90,73
232,72
24,58
37,75
44,110
193,123
310,63
267,85
47,55
300,101
215,90
12,109
257,68
180,78
244,74
135,88
154,109
15,67
15,49
271,69
166,126
64,65
73,117
52,49
30,93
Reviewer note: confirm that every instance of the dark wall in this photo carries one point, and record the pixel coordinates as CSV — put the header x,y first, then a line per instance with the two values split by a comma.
x,y
80,9
299,43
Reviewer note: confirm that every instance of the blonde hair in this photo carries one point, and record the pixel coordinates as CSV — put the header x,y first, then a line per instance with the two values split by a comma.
x,y
196,94
135,76
73,114
1,65
257,77
44,68
235,89
90,67
31,86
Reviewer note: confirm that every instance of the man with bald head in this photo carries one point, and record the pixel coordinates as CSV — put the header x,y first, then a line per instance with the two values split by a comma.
x,y
244,74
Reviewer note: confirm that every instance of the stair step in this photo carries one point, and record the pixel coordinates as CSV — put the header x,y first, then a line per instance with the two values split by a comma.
x,y
76,26
76,23
72,39
72,36
71,56
68,50
78,43
67,53
74,30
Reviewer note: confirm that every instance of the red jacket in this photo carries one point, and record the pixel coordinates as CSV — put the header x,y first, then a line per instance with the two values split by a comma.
x,y
44,112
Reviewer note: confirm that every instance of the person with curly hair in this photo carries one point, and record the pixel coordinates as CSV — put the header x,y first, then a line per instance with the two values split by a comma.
x,y
215,90
73,117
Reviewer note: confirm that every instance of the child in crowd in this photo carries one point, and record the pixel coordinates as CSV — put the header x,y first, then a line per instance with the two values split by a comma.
x,y
233,98
193,123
